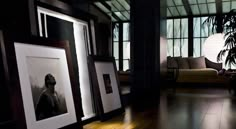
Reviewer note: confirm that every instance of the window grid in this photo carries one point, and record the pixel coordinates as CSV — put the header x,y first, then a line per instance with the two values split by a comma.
x,y
125,59
126,46
179,38
116,44
198,47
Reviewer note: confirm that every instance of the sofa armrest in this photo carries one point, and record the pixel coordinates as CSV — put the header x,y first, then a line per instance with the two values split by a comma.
x,y
210,64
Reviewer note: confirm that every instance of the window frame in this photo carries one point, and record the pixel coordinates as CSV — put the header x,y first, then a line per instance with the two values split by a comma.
x,y
180,38
121,41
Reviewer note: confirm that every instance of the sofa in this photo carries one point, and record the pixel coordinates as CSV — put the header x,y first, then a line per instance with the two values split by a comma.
x,y
196,70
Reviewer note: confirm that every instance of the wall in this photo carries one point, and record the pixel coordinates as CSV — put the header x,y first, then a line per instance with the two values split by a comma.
x,y
103,32
15,24
15,19
163,40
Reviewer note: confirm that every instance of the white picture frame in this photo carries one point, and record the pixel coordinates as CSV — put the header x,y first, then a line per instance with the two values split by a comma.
x,y
29,55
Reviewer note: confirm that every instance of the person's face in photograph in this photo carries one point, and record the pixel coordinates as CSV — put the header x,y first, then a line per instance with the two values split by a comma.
x,y
51,82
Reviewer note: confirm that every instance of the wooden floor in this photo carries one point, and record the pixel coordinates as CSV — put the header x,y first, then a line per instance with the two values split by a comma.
x,y
187,109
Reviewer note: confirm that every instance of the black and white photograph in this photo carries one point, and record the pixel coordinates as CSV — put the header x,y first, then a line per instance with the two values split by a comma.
x,y
107,83
46,86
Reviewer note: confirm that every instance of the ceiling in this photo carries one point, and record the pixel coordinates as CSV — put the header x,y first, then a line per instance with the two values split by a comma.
x,y
119,10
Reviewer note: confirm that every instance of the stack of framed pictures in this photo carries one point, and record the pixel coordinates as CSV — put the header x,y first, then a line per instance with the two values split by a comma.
x,y
105,86
43,89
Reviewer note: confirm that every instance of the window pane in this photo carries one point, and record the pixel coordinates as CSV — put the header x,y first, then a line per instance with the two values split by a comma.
x,y
169,28
116,32
125,4
226,7
125,65
192,1
117,64
202,45
196,47
184,28
195,9
212,8
178,2
201,1
126,50
203,8
170,3
210,29
204,28
102,7
184,47
126,31
177,47
170,47
116,50
182,10
173,11
118,6
120,15
168,13
177,28
196,27
233,66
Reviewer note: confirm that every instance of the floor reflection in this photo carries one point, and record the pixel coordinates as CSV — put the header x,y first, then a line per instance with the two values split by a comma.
x,y
183,110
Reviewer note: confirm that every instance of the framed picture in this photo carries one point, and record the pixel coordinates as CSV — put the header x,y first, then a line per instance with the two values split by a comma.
x,y
105,86
46,92
59,25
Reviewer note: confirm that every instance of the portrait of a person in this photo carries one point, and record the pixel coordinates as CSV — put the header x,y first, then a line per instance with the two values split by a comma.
x,y
48,103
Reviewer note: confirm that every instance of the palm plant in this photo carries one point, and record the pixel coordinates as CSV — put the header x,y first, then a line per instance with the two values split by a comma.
x,y
225,23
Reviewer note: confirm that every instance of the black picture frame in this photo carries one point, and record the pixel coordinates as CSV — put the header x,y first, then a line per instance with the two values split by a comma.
x,y
15,89
98,77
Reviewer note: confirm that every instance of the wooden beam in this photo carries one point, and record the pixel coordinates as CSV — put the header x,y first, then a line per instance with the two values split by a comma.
x,y
187,7
218,6
109,8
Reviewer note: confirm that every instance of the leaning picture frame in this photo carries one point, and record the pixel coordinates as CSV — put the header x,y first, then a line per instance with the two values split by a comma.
x,y
44,90
106,86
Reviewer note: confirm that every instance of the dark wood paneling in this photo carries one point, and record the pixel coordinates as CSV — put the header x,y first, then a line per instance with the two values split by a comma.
x,y
103,39
15,18
5,109
66,9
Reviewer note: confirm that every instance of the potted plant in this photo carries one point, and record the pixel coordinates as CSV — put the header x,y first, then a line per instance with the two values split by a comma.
x,y
225,23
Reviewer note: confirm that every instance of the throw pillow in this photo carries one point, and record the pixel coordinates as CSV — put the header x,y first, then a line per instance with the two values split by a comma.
x,y
197,63
183,63
171,62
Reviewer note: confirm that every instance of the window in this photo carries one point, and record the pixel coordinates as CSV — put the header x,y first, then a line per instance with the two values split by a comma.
x,y
126,46
177,37
200,34
124,29
116,44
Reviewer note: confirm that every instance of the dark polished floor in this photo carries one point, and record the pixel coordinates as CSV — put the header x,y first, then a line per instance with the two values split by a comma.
x,y
187,109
